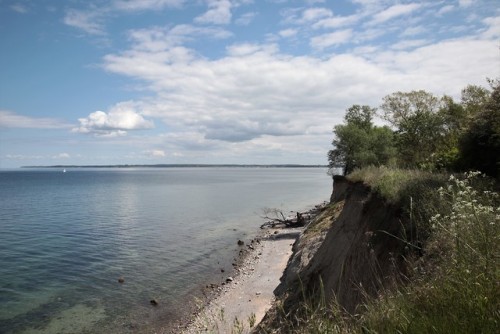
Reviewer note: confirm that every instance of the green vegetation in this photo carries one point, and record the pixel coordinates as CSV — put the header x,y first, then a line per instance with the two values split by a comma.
x,y
455,285
426,132
450,216
359,143
451,282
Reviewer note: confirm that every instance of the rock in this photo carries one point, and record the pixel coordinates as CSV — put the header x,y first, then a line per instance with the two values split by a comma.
x,y
241,243
229,279
222,270
121,280
153,302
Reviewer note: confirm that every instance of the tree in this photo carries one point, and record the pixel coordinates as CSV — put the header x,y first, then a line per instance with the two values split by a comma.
x,y
474,98
398,108
359,143
480,145
360,116
418,125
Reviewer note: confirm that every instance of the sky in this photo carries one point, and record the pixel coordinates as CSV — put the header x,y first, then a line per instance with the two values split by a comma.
x,y
221,81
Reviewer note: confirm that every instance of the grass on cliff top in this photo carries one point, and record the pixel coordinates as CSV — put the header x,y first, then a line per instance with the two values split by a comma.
x,y
394,184
453,287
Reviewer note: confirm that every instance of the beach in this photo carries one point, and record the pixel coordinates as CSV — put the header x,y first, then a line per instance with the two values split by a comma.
x,y
241,302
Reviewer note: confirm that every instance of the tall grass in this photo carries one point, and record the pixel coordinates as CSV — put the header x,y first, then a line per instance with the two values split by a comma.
x,y
454,283
413,191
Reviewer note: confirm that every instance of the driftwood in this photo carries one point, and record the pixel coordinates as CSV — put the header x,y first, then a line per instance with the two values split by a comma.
x,y
276,217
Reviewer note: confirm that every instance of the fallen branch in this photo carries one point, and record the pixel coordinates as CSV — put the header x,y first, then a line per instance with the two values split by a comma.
x,y
276,217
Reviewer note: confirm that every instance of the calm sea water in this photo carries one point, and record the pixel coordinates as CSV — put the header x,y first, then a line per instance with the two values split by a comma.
x,y
66,238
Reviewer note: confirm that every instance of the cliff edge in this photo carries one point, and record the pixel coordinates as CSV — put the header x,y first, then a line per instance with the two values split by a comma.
x,y
349,251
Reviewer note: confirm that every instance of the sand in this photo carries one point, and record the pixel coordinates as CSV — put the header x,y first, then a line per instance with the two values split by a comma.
x,y
245,298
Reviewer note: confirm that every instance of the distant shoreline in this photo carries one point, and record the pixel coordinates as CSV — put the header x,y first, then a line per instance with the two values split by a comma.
x,y
182,166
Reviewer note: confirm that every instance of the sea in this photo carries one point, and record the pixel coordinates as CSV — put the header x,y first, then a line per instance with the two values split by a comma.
x,y
67,237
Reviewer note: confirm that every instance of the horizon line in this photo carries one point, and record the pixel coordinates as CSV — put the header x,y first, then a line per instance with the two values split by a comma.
x,y
179,165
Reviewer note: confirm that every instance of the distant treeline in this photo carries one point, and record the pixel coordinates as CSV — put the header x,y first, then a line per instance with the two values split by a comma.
x,y
181,166
426,132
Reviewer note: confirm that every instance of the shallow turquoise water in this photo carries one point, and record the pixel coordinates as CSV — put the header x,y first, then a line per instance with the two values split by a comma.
x,y
65,239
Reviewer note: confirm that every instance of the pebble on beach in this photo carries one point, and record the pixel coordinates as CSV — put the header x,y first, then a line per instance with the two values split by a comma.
x,y
121,280
153,302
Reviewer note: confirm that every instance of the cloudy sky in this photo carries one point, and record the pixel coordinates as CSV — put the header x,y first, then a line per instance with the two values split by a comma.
x,y
221,81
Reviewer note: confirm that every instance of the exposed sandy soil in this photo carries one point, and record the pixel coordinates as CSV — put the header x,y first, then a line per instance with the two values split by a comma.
x,y
250,293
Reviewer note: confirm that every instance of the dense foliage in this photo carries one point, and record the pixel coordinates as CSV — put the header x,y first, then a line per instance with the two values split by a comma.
x,y
359,143
426,132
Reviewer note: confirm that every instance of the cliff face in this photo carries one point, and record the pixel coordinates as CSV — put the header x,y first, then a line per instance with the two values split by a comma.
x,y
353,248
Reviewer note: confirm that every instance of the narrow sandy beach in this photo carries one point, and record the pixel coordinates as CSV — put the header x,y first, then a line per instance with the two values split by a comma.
x,y
246,298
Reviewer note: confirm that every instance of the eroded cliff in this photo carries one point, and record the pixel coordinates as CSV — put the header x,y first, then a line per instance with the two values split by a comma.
x,y
351,250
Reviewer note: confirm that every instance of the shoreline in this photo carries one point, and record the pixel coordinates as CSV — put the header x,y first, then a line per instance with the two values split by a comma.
x,y
243,299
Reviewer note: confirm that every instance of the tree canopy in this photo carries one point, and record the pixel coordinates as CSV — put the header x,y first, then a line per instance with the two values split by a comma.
x,y
359,143
426,131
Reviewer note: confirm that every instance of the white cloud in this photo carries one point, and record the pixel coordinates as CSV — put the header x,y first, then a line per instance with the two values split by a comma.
x,y
245,19
20,8
413,31
23,157
313,2
245,49
120,119
155,153
257,96
446,9
9,119
287,33
314,14
337,21
466,3
163,38
134,5
219,12
331,39
61,156
493,30
88,21
302,16
409,44
92,20
395,11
